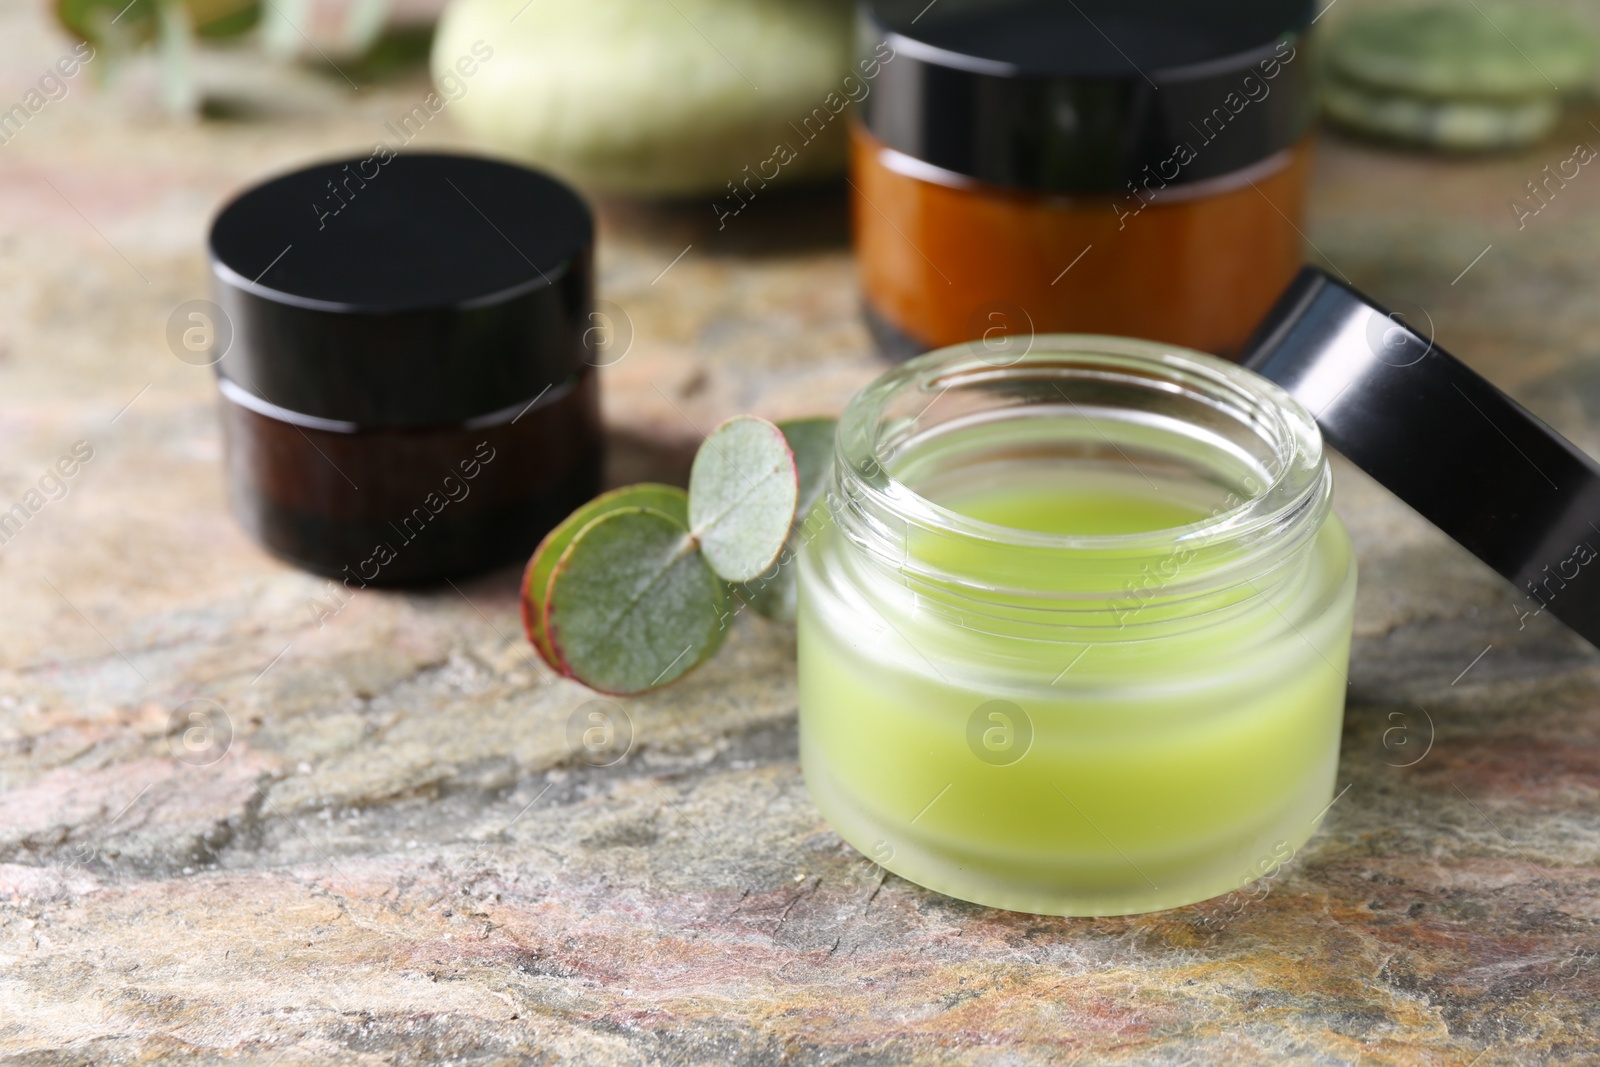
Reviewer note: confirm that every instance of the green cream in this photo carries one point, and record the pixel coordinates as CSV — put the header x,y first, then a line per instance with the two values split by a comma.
x,y
1074,509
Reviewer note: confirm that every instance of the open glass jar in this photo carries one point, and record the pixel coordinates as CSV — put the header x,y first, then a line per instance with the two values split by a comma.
x,y
1074,626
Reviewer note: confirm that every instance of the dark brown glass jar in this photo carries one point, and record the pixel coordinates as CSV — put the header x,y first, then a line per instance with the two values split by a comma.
x,y
410,392
1133,167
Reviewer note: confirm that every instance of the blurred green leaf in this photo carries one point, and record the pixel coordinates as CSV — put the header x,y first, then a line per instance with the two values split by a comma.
x,y
632,604
121,24
223,18
100,22
397,51
743,489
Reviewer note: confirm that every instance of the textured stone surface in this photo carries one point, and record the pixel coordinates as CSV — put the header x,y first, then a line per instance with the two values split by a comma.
x,y
399,860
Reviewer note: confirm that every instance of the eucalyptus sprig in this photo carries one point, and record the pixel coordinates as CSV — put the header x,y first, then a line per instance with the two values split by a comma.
x,y
637,587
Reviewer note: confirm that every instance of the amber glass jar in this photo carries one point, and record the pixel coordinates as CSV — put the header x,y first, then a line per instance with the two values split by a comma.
x,y
1132,167
409,393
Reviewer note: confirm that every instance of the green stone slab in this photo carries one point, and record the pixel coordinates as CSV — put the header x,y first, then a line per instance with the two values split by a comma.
x,y
1463,126
1454,51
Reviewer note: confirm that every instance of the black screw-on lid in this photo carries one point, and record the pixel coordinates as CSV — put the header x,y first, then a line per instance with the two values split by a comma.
x,y
1084,95
1471,460
404,290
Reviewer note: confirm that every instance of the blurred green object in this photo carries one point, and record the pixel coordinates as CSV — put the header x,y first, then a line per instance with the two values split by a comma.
x,y
1466,125
1463,50
1458,76
259,47
119,28
655,97
119,24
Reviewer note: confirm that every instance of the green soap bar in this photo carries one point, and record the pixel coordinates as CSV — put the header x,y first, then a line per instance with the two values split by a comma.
x,y
1464,125
656,97
1463,50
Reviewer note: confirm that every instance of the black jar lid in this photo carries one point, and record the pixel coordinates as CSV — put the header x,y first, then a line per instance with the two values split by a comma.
x,y
1085,95
403,289
1468,458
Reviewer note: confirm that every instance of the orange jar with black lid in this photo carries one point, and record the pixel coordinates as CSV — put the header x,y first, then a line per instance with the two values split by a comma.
x,y
1127,167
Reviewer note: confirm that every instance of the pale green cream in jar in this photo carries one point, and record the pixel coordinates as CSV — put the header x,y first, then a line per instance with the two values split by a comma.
x,y
1074,630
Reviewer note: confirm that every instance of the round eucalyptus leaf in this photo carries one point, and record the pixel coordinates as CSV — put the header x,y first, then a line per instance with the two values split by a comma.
x,y
811,441
632,604
667,499
773,593
742,495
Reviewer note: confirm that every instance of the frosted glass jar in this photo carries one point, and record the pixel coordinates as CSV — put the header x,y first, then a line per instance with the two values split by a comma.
x,y
1074,626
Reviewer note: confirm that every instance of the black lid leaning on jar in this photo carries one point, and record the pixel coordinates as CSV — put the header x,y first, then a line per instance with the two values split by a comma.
x,y
1081,96
403,290
1468,458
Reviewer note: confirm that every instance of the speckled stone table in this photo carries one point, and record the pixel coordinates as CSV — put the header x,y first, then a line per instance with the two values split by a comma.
x,y
397,857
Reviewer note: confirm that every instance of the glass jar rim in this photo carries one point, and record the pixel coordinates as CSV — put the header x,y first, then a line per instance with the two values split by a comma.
x,y
1260,526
